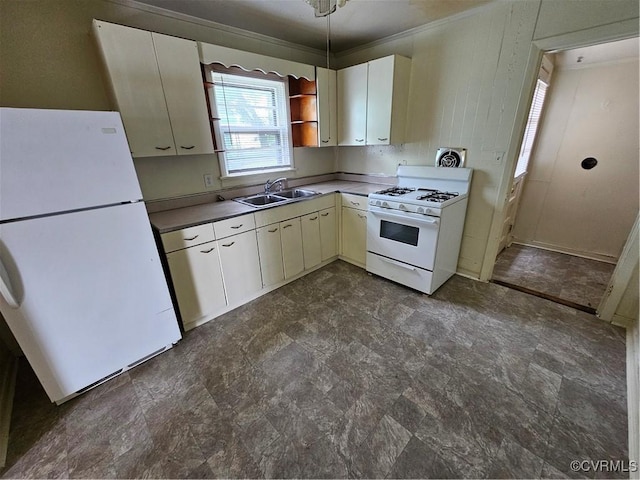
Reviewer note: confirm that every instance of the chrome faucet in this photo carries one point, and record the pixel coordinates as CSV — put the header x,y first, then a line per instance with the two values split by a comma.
x,y
269,184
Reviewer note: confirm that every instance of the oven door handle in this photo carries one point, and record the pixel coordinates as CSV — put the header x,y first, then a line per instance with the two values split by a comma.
x,y
408,216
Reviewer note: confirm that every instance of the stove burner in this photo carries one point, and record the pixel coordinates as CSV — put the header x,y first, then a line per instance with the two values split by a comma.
x,y
396,191
437,196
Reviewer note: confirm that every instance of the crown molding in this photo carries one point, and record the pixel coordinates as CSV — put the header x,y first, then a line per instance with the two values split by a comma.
x,y
422,28
143,7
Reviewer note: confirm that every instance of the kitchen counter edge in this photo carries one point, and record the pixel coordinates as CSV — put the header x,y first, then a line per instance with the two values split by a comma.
x,y
179,218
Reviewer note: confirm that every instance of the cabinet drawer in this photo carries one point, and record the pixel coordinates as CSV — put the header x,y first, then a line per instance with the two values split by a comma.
x,y
354,201
232,226
187,237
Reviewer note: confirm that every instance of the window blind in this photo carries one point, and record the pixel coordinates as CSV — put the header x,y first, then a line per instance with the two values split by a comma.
x,y
531,129
253,122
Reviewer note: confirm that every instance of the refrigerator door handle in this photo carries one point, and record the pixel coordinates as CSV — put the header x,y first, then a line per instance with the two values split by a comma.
x,y
5,288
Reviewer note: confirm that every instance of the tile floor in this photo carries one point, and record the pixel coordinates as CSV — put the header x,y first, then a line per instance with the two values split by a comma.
x,y
566,277
341,374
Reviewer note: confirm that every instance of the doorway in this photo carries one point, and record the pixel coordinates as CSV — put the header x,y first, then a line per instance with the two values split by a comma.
x,y
575,195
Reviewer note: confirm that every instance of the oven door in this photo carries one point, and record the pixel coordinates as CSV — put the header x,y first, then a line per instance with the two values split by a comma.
x,y
403,236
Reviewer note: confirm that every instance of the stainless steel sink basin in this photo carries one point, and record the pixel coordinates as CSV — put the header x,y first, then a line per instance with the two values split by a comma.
x,y
296,193
261,199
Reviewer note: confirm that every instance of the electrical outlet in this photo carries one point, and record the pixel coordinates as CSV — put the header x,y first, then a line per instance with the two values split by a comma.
x,y
208,180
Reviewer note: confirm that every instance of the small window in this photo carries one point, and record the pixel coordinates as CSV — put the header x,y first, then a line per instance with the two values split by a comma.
x,y
253,123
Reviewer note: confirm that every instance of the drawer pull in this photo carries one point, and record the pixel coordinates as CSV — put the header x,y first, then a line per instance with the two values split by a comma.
x,y
191,239
382,139
208,251
362,216
324,214
235,227
359,139
190,147
314,218
163,148
288,225
272,231
324,141
228,244
355,203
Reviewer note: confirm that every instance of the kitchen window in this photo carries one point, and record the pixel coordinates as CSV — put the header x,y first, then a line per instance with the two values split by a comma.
x,y
252,122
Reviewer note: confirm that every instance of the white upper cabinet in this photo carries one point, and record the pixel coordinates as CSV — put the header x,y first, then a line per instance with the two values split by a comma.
x,y
157,86
372,101
327,107
352,105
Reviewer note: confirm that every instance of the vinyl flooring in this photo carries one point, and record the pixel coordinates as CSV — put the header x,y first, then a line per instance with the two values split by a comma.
x,y
345,375
564,277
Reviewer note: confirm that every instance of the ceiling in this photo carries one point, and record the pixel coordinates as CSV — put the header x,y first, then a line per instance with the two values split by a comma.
x,y
603,53
357,23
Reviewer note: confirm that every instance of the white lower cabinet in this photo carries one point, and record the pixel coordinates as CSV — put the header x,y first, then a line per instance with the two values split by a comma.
x,y
197,281
215,267
354,235
240,266
328,234
311,245
292,253
270,249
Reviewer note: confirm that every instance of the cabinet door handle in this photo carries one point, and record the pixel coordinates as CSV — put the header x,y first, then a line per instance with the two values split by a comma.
x,y
189,148
228,244
163,148
382,139
235,227
359,139
355,203
314,218
287,226
362,216
324,141
324,214
191,239
208,251
272,231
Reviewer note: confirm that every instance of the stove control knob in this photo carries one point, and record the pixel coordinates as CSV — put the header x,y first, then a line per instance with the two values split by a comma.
x,y
378,203
427,210
402,206
385,204
420,210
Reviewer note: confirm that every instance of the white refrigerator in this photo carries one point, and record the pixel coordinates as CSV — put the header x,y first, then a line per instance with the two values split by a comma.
x,y
81,284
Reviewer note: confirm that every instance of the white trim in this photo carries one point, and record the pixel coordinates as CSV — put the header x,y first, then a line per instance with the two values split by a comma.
x,y
621,275
569,251
419,29
261,172
230,57
633,396
218,26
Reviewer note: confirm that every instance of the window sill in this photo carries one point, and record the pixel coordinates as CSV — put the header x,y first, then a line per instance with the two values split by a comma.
x,y
261,172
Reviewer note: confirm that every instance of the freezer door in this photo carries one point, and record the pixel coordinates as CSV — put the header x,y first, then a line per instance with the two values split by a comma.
x,y
90,293
60,160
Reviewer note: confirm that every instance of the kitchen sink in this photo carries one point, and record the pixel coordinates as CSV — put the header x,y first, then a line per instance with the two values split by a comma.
x,y
261,199
296,193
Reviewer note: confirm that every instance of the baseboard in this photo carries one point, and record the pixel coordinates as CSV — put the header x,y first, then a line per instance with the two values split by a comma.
x,y
201,321
633,395
576,253
7,388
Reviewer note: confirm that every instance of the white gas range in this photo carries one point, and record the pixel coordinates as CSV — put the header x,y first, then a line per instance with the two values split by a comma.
x,y
414,230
